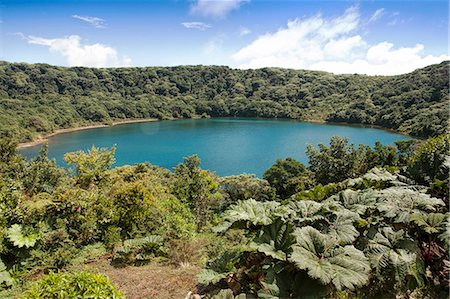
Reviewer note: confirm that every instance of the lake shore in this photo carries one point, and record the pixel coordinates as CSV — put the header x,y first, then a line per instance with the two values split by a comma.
x,y
43,139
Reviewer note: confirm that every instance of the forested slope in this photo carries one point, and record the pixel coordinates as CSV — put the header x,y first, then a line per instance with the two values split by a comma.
x,y
36,99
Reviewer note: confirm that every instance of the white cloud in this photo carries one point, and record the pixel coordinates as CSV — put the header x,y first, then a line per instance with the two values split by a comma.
x,y
196,25
383,59
244,31
215,8
376,15
331,45
79,54
94,21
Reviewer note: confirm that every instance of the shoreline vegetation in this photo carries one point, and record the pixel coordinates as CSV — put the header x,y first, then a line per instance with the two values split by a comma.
x,y
44,139
369,215
36,99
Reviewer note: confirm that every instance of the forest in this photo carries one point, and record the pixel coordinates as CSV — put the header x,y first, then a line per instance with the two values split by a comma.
x,y
356,222
37,99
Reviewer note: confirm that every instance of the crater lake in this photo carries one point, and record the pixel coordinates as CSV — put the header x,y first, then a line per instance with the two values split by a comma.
x,y
226,146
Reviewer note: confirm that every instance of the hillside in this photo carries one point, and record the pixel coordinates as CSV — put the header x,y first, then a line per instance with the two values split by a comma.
x,y
36,99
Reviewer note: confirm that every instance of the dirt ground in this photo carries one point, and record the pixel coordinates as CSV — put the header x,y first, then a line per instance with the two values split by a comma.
x,y
155,281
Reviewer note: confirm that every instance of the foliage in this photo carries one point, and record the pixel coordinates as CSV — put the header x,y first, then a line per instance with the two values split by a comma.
x,y
325,260
288,177
198,188
141,250
431,160
21,237
340,160
360,239
369,233
5,276
73,285
246,186
91,166
36,99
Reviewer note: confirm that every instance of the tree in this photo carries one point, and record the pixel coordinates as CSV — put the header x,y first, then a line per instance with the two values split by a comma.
x,y
91,167
246,186
431,160
288,177
334,163
198,188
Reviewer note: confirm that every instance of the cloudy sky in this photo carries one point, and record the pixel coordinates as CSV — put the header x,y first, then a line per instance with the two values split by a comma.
x,y
369,37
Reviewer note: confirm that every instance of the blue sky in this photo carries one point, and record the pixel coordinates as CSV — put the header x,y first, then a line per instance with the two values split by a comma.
x,y
371,37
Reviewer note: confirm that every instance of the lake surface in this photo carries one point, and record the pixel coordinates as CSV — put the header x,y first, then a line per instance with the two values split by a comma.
x,y
225,146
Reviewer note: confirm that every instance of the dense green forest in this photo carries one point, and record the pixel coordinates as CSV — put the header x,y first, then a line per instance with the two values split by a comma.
x,y
36,99
357,222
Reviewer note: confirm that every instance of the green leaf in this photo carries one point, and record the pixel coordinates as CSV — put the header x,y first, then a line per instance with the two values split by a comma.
x,y
394,252
5,277
275,240
400,203
431,223
324,259
20,238
208,276
254,212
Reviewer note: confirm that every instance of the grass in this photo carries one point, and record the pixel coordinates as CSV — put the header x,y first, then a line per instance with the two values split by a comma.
x,y
154,280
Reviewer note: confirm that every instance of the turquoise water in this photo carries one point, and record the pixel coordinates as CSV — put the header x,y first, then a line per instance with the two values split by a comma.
x,y
226,146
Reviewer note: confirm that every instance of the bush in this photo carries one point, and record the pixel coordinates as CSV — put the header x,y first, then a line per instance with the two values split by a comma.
x,y
431,160
72,285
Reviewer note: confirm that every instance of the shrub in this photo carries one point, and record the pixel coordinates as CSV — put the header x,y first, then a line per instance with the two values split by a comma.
x,y
72,285
431,160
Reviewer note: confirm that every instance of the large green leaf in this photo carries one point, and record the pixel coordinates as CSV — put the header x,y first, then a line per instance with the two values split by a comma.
x,y
278,282
253,212
275,240
208,276
324,259
399,203
5,277
341,226
356,201
394,252
305,211
20,238
431,223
